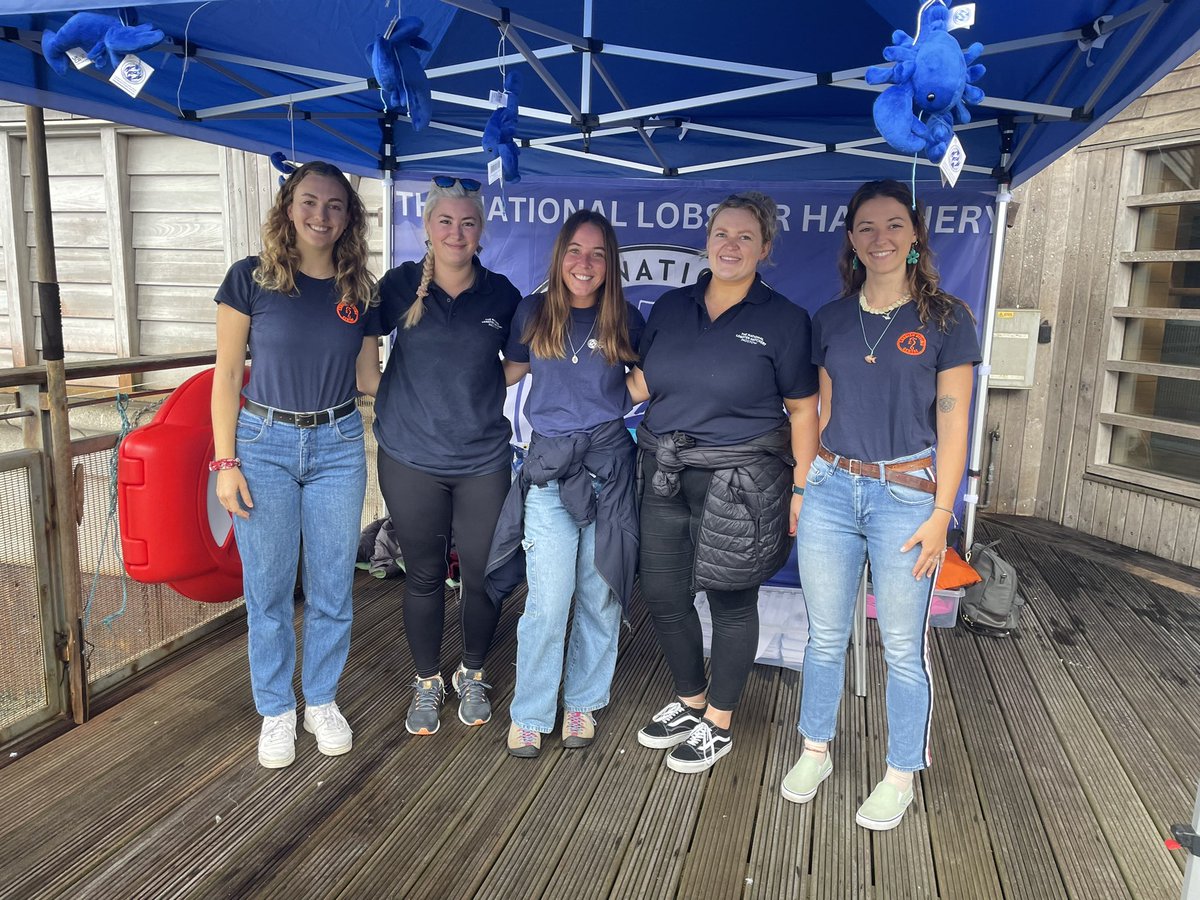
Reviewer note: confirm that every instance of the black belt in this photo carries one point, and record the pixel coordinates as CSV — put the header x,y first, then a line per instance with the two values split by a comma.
x,y
301,419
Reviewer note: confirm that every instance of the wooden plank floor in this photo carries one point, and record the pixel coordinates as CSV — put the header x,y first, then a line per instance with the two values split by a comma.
x,y
1061,758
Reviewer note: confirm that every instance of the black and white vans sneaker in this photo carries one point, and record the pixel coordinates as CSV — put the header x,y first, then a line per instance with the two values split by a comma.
x,y
704,746
669,726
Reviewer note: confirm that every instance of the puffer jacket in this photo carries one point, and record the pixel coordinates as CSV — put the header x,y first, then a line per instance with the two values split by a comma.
x,y
743,538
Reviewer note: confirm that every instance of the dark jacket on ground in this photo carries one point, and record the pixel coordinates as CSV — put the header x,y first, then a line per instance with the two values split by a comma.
x,y
572,460
743,538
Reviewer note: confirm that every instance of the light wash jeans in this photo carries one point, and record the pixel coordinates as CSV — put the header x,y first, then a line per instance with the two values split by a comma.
x,y
844,519
560,564
305,482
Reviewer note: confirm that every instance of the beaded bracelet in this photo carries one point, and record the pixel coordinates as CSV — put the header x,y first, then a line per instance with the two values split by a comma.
x,y
218,465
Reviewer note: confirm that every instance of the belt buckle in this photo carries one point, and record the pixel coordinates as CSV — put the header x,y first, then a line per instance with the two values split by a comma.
x,y
854,466
306,420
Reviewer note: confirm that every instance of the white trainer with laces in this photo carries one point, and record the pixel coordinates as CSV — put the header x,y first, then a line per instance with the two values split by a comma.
x,y
332,731
277,740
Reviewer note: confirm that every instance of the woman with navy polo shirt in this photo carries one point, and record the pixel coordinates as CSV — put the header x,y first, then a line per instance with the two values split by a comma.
x,y
721,361
896,357
290,461
576,485
444,458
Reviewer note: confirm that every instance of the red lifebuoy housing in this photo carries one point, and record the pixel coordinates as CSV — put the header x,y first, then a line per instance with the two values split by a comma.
x,y
173,529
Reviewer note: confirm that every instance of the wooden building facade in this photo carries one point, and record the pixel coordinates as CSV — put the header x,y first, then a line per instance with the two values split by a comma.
x,y
1105,243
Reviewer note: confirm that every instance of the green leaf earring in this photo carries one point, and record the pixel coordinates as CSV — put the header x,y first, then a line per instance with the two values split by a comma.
x,y
854,261
913,256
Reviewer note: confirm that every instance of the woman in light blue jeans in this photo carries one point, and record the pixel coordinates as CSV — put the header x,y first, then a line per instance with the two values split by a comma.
x,y
580,521
290,462
896,359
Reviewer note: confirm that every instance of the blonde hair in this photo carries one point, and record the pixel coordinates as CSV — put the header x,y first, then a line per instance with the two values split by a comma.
x,y
546,333
759,205
435,196
280,259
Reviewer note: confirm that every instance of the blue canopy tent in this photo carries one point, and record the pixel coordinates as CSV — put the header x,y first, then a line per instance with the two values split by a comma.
x,y
762,92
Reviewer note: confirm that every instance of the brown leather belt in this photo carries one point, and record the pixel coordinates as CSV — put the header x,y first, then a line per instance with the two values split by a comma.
x,y
893,473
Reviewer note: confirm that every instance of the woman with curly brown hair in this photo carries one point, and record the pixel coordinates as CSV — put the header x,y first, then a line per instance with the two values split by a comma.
x,y
290,463
896,357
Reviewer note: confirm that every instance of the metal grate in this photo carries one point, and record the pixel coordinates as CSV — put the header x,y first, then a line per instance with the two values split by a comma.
x,y
123,618
23,663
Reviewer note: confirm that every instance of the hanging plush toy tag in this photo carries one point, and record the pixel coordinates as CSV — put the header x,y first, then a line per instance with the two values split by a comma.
x,y
131,75
952,163
495,170
79,58
498,99
961,16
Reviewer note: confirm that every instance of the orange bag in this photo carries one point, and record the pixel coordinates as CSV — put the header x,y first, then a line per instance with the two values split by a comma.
x,y
956,572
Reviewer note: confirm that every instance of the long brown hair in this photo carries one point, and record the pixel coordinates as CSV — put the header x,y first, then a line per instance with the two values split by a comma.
x,y
924,283
280,259
435,196
546,333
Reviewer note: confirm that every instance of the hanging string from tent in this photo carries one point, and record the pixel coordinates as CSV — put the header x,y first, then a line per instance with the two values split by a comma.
x,y
187,58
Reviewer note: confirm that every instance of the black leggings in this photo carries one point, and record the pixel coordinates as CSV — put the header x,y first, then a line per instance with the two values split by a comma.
x,y
668,552
425,509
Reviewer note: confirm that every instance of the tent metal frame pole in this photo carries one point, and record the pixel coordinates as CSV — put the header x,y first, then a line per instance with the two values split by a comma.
x,y
979,421
62,479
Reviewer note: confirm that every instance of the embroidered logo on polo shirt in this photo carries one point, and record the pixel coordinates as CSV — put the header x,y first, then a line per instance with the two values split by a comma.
x,y
493,323
347,312
911,343
748,338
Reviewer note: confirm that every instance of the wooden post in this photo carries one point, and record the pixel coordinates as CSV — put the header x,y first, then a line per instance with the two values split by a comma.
x,y
62,480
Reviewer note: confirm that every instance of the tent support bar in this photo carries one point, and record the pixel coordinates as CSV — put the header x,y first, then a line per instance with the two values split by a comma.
x,y
542,72
585,64
1136,41
530,111
596,157
896,157
703,62
1046,110
602,71
658,109
491,62
498,15
750,160
979,422
752,135
216,112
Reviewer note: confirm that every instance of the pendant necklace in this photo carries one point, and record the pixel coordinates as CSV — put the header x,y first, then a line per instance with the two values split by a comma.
x,y
870,357
584,345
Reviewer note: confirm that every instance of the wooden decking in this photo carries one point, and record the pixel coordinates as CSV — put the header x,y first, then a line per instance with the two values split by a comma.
x,y
1061,759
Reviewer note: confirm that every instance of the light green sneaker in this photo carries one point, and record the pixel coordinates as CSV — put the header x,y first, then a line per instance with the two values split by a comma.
x,y
801,783
884,809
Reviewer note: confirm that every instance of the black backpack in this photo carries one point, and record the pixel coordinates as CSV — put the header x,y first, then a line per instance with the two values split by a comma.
x,y
992,606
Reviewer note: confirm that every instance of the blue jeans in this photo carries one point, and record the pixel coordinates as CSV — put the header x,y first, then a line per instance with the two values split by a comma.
x,y
846,518
560,564
305,483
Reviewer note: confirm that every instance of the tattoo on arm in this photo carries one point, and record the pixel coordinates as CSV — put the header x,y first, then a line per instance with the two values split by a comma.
x,y
946,403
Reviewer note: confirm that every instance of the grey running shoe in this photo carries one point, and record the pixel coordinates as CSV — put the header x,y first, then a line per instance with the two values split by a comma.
x,y
474,708
428,694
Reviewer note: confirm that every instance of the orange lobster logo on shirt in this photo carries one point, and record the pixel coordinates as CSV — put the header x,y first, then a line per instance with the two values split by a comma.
x,y
347,312
911,343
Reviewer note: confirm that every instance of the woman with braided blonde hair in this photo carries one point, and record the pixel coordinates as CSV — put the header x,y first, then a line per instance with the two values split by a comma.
x,y
444,458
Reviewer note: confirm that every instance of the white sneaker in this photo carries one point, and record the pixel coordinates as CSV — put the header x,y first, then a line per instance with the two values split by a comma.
x,y
277,740
326,721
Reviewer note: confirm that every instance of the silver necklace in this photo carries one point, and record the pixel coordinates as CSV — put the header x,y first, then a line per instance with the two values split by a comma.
x,y
575,350
870,357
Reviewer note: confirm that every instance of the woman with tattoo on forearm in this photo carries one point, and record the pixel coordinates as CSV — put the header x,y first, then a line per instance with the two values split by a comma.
x,y
896,359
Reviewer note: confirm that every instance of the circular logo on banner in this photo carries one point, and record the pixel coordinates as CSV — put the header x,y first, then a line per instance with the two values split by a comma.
x,y
347,312
911,343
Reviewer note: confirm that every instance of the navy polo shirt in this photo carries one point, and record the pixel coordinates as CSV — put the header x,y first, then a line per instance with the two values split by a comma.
x,y
885,411
303,347
440,406
724,382
568,397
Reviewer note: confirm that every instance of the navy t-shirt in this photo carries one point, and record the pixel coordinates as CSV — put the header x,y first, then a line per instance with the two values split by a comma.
x,y
724,382
440,406
303,347
566,397
885,411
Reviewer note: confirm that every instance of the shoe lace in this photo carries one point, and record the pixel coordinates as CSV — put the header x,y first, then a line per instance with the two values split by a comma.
x,y
669,712
276,728
472,691
702,739
576,724
429,693
326,715
527,737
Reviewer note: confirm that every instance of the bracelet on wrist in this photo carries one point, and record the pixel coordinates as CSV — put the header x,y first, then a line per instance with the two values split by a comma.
x,y
218,465
945,510
797,490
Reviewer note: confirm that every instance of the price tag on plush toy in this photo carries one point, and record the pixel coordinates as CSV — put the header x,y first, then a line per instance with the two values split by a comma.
x,y
961,16
498,99
495,170
79,58
131,75
952,163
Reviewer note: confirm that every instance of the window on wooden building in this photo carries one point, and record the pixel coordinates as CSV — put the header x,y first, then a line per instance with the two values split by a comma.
x,y
1149,424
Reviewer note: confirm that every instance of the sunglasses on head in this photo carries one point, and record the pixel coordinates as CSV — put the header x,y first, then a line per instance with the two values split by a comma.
x,y
470,185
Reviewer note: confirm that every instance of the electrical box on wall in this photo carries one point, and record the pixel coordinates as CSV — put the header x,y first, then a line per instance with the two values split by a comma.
x,y
1014,348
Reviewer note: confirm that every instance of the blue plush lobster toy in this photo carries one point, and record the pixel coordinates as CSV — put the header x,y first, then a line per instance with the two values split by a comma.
x,y
105,39
932,80
397,68
499,135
